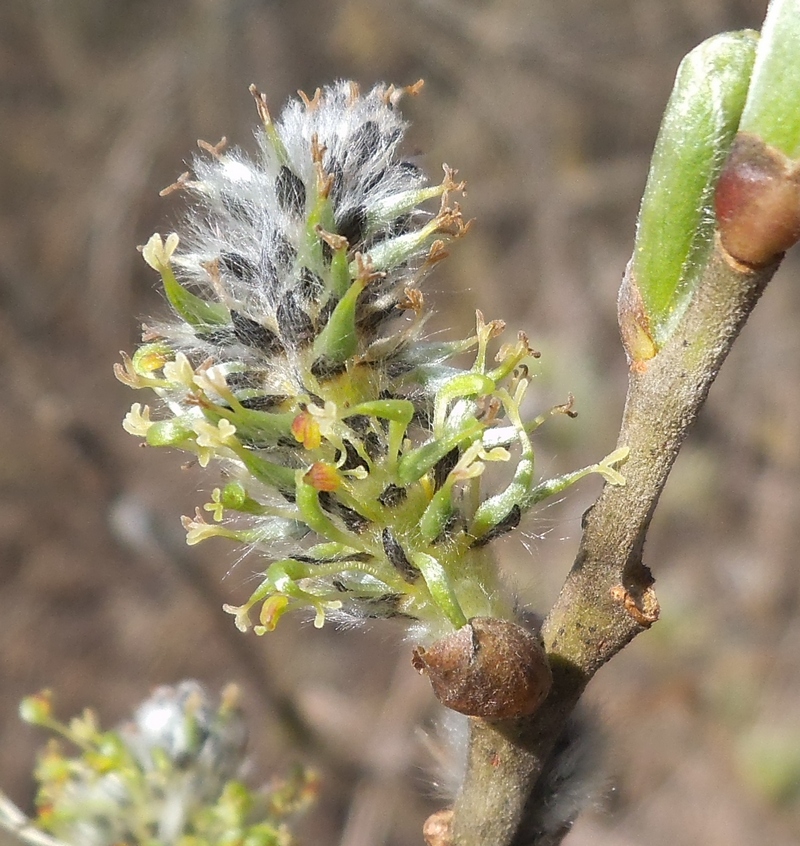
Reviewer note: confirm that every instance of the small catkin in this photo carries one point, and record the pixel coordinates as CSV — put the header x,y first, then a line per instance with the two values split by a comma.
x,y
352,446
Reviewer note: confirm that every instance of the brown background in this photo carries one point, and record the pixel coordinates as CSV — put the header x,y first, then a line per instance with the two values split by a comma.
x,y
549,110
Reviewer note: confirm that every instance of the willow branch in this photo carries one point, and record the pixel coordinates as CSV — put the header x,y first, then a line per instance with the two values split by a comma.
x,y
608,597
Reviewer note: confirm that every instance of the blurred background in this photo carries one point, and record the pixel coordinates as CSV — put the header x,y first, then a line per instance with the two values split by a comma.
x,y
549,110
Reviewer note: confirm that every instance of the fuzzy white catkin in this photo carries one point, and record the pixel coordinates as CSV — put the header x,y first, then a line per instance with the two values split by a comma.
x,y
256,209
185,750
353,446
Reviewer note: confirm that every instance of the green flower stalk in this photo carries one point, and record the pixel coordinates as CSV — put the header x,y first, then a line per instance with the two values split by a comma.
x,y
166,778
353,446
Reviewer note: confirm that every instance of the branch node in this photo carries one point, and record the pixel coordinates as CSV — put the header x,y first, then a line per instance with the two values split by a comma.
x,y
644,608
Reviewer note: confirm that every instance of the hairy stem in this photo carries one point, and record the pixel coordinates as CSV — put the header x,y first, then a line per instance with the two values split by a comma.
x,y
608,598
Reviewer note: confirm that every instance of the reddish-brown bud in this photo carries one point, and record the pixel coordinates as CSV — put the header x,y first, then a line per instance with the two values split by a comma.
x,y
757,202
489,668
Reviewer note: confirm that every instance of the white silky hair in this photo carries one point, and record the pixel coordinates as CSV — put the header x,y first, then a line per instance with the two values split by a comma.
x,y
572,780
254,209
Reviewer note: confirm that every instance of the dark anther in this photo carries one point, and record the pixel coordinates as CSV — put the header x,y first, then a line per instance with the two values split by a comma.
x,y
325,368
423,413
449,528
269,273
254,334
373,180
358,423
410,168
392,495
351,224
296,327
402,225
374,445
352,459
371,294
241,267
268,402
237,208
393,136
254,442
328,501
325,312
352,520
371,318
217,337
247,380
397,556
309,285
384,607
291,192
364,142
396,367
332,559
509,522
283,251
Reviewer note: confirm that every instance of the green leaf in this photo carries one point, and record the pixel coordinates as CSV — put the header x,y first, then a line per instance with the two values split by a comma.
x,y
676,221
772,111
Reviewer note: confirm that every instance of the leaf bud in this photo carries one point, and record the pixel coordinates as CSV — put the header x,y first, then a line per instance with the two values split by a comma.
x,y
489,668
757,202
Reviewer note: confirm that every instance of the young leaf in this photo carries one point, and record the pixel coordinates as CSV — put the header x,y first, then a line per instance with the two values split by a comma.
x,y
676,223
772,110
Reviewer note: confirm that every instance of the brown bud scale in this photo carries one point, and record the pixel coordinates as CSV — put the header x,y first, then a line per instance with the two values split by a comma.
x,y
634,324
489,668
